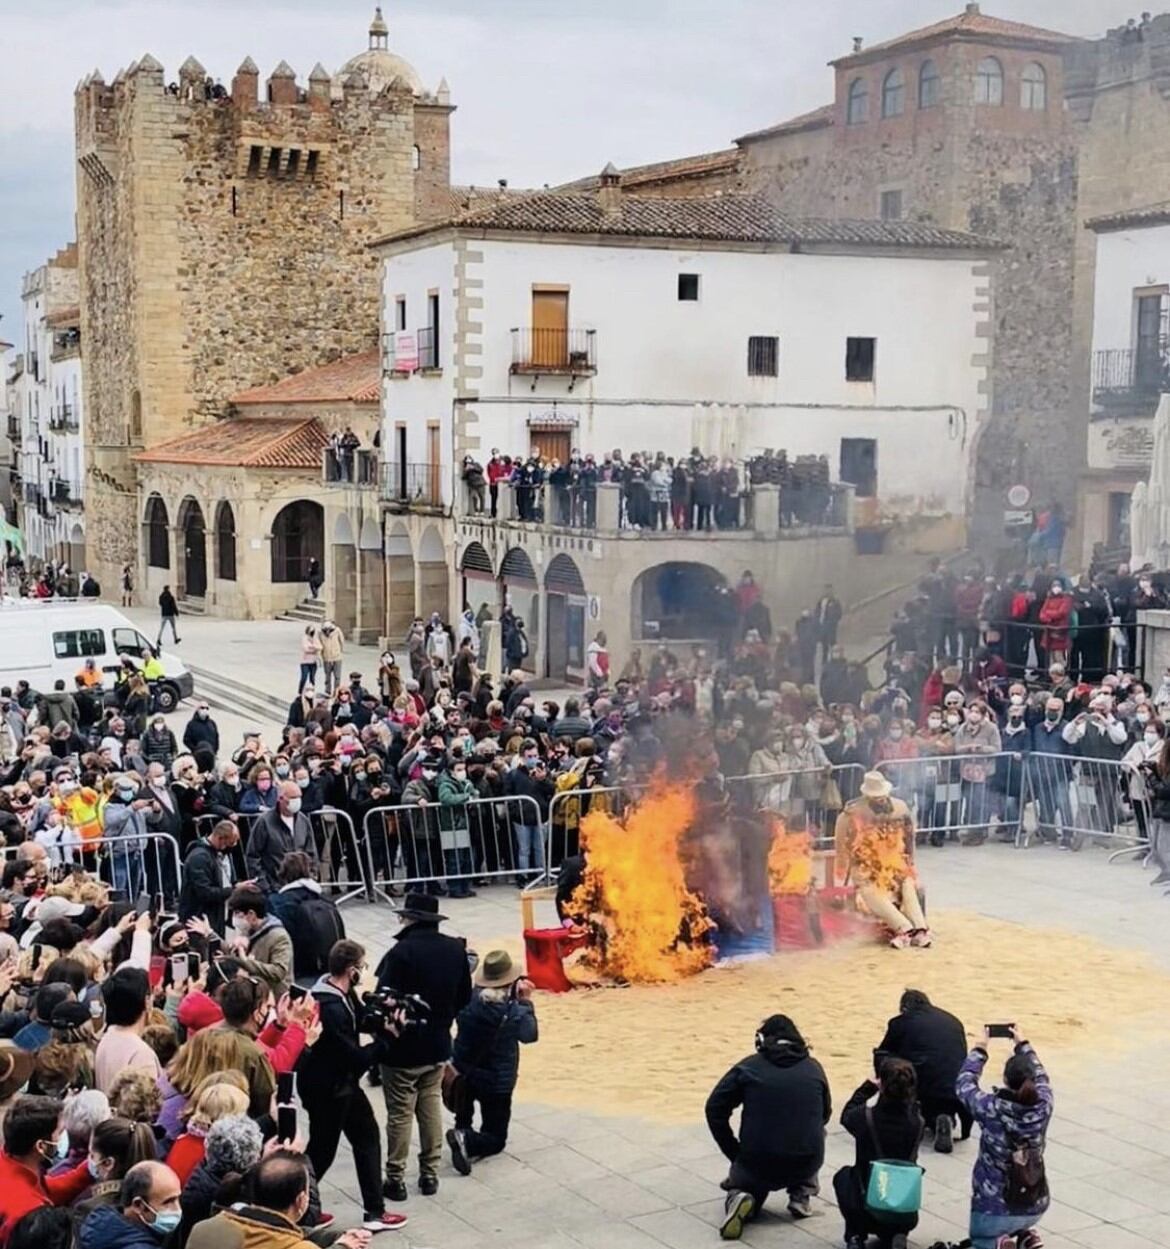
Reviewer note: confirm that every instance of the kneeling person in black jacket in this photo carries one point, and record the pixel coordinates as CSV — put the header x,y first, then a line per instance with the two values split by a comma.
x,y
327,1079
785,1098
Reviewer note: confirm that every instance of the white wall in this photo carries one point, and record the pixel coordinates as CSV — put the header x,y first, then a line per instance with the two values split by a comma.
x,y
1126,260
672,374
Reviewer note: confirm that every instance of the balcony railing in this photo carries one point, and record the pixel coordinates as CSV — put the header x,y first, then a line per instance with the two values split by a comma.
x,y
1131,375
13,428
554,351
360,470
66,343
64,494
412,485
62,419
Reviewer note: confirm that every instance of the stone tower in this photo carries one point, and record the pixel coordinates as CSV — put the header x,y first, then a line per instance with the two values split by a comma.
x,y
222,241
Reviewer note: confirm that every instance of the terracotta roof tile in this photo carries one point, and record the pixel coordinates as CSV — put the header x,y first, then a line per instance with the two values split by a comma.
x,y
728,218
812,120
970,24
352,379
246,442
1146,215
723,161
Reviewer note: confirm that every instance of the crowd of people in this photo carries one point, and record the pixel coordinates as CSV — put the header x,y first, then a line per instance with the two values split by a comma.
x,y
658,491
43,579
926,1082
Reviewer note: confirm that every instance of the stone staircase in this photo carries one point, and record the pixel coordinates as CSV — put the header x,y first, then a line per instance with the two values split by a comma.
x,y
192,606
228,694
308,610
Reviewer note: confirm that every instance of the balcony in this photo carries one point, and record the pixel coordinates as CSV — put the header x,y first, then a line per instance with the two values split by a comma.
x,y
567,353
63,421
360,472
1129,378
32,493
64,494
14,429
34,366
66,343
407,487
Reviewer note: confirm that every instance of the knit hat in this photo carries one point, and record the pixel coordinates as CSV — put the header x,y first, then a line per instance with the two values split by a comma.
x,y
198,1011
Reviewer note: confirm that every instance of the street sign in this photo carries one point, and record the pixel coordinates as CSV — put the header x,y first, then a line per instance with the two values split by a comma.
x,y
1019,496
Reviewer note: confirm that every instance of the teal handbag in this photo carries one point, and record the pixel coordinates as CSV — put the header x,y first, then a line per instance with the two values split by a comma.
x,y
895,1186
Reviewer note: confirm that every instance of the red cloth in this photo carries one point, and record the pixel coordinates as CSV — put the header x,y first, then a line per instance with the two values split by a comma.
x,y
932,696
186,1154
546,948
1056,613
23,1190
496,470
747,594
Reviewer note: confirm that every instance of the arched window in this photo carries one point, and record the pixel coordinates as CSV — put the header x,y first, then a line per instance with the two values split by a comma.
x,y
857,105
893,94
416,158
989,81
929,85
158,538
1034,87
225,542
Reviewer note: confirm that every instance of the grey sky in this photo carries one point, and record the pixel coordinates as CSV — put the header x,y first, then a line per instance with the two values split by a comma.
x,y
547,89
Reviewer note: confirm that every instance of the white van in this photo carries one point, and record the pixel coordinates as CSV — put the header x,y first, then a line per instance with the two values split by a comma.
x,y
42,641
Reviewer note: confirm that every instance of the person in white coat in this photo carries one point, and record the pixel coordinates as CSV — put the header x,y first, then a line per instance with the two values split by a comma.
x,y
468,629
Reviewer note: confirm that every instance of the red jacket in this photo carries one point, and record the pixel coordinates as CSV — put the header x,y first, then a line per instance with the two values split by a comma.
x,y
1057,614
496,470
281,1046
23,1190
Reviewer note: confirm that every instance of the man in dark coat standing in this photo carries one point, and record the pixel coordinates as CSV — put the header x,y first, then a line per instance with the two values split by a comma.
x,y
934,1043
428,963
785,1100
168,611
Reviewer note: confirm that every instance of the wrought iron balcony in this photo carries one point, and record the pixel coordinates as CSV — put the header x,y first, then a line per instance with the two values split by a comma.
x,y
63,421
428,347
1131,377
407,486
13,428
64,494
537,351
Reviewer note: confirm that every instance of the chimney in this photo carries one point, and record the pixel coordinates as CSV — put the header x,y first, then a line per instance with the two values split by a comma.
x,y
972,9
320,89
246,84
282,85
856,43
609,194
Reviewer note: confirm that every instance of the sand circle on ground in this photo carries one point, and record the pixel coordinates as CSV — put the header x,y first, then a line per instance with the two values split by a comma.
x,y
656,1051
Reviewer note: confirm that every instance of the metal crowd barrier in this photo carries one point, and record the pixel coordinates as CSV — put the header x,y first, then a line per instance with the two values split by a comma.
x,y
133,864
808,800
570,806
421,847
1077,799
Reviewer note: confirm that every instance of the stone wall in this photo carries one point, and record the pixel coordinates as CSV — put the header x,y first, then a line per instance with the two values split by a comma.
x,y
213,259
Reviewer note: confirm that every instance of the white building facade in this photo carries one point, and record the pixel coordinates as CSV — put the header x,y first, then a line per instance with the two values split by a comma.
x,y
48,426
1130,368
555,322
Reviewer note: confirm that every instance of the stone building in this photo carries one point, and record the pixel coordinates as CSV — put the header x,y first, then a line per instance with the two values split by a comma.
x,y
47,425
222,240
593,320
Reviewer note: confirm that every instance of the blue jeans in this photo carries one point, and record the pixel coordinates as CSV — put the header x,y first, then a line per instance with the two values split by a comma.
x,y
986,1229
308,676
529,846
127,871
457,864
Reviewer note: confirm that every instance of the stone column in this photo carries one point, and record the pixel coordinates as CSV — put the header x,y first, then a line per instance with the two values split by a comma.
x,y
491,654
609,506
766,509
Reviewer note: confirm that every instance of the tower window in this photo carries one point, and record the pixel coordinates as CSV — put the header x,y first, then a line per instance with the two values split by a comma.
x,y
891,205
416,158
1034,88
274,163
857,104
859,356
294,161
989,81
311,164
893,94
929,85
254,158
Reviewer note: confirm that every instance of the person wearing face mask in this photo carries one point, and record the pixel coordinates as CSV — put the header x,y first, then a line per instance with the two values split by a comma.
x,y
1007,781
1098,738
224,794
1140,764
141,1215
454,792
209,876
32,1131
158,743
115,1146
328,1080
1056,617
260,793
276,833
419,829
259,941
936,788
201,730
1051,774
975,739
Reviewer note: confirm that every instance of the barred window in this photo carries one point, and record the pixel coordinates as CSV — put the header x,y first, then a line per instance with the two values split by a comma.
x,y
763,356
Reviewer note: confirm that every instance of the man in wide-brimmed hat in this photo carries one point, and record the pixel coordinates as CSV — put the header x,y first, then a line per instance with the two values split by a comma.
x,y
875,847
499,1019
424,961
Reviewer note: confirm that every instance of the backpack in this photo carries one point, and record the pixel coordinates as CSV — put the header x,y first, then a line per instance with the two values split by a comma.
x,y
1026,1185
316,926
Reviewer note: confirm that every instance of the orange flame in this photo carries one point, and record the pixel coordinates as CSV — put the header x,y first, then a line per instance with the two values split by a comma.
x,y
790,867
879,853
654,927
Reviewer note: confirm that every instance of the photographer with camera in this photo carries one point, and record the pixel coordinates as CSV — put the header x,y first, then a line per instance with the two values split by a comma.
x,y
433,966
328,1075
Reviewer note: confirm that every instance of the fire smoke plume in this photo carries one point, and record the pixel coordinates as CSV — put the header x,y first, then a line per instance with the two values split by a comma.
x,y
655,927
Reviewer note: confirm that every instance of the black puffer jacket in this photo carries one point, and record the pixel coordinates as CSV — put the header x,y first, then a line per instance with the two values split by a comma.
x,y
786,1103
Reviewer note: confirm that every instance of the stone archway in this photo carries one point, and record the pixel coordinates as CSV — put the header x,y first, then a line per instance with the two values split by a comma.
x,y
520,590
681,601
564,591
433,579
191,574
399,582
298,536
76,548
156,536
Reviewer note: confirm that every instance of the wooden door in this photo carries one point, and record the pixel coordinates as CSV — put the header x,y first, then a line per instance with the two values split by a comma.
x,y
552,444
433,495
550,328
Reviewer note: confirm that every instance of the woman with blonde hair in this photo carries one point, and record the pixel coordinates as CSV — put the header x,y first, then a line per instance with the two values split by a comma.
x,y
210,1051
219,1095
134,1095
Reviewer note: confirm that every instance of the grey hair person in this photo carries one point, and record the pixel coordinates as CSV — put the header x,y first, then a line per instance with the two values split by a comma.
x,y
233,1144
81,1113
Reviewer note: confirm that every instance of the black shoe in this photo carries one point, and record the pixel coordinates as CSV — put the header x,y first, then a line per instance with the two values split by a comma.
x,y
428,1185
800,1208
459,1159
943,1142
394,1190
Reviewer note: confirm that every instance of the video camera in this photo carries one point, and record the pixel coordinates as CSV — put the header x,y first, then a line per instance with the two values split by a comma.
x,y
385,1003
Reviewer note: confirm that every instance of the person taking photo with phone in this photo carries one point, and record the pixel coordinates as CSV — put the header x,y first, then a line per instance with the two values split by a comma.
x,y
1009,1188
